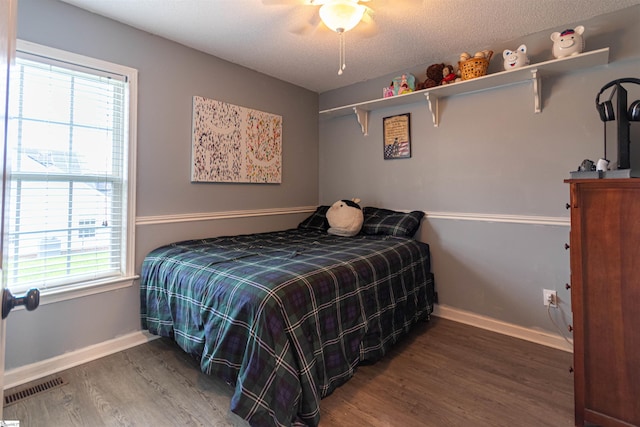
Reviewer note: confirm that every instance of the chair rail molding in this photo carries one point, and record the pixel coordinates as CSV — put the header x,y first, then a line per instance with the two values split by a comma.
x,y
210,216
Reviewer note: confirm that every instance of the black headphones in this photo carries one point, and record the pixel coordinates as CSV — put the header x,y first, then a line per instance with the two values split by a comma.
x,y
605,109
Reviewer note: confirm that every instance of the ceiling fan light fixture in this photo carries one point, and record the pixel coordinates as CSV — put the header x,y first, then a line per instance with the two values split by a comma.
x,y
341,15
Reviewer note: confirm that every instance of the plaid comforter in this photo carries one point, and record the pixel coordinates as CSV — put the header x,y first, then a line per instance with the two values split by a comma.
x,y
285,316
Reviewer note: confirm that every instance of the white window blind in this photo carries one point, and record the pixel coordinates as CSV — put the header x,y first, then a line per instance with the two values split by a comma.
x,y
68,202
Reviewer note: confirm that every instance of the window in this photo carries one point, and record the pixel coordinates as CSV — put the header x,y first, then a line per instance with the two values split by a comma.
x,y
71,147
87,228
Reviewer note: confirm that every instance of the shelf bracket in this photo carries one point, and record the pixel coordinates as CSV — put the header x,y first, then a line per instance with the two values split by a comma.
x,y
363,119
537,90
432,100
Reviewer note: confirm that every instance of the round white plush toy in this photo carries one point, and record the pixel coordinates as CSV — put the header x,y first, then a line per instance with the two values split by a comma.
x,y
345,218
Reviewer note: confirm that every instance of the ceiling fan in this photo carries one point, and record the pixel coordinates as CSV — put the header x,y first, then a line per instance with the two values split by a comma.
x,y
334,14
342,16
337,15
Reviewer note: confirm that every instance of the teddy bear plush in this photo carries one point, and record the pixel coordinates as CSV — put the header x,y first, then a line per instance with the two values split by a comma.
x,y
345,218
434,76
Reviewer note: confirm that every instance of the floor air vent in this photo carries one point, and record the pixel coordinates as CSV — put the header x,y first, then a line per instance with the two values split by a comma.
x,y
20,395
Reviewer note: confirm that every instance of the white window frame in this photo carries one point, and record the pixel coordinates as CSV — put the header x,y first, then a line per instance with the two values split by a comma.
x,y
65,292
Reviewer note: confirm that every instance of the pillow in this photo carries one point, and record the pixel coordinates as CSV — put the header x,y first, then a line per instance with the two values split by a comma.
x,y
317,221
392,223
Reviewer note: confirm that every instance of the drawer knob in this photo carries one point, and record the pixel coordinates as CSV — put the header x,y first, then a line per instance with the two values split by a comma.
x,y
566,246
567,286
568,206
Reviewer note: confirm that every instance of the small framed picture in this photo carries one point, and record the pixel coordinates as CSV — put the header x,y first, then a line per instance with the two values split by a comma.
x,y
397,136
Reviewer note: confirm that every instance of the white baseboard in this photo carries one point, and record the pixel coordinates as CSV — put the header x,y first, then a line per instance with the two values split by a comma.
x,y
25,374
488,323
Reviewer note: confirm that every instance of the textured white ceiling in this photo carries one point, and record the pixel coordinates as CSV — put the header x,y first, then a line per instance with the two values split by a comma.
x,y
282,38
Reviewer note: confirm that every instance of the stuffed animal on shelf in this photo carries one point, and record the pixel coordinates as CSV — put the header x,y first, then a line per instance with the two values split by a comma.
x,y
515,59
345,218
434,76
449,75
568,43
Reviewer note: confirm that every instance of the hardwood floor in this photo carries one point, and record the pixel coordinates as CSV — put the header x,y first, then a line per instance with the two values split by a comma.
x,y
443,374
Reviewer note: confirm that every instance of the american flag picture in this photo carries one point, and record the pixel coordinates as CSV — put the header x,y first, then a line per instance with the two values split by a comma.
x,y
397,149
397,142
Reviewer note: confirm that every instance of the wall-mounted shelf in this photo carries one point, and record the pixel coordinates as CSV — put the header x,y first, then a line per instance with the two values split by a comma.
x,y
534,73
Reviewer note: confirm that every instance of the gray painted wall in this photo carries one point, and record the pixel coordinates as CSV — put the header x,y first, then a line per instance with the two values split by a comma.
x,y
169,76
490,155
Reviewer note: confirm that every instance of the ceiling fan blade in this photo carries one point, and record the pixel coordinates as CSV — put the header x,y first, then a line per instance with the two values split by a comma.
x,y
368,26
307,21
315,19
303,29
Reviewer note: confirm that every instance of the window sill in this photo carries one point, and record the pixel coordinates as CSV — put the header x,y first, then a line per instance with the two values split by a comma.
x,y
50,296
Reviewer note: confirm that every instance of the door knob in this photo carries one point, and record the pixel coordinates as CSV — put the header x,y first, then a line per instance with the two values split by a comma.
x,y
30,300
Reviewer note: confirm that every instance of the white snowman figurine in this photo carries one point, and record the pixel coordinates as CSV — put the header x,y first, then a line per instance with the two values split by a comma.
x,y
568,43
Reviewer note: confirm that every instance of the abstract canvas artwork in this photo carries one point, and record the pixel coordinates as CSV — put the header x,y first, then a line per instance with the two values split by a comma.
x,y
235,144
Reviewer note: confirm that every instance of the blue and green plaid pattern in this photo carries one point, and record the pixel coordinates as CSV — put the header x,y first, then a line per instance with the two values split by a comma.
x,y
317,220
285,317
378,221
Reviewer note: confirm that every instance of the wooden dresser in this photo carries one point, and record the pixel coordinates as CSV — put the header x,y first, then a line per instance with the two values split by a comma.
x,y
605,300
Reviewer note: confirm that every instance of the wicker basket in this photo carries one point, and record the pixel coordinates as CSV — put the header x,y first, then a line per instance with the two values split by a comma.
x,y
474,67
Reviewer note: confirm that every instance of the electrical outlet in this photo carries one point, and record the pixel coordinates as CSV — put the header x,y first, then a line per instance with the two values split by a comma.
x,y
550,297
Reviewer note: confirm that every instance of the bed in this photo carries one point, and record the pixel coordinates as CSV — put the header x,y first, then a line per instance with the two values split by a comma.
x,y
286,317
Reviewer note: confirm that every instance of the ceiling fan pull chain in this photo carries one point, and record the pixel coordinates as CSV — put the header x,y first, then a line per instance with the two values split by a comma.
x,y
344,51
341,65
